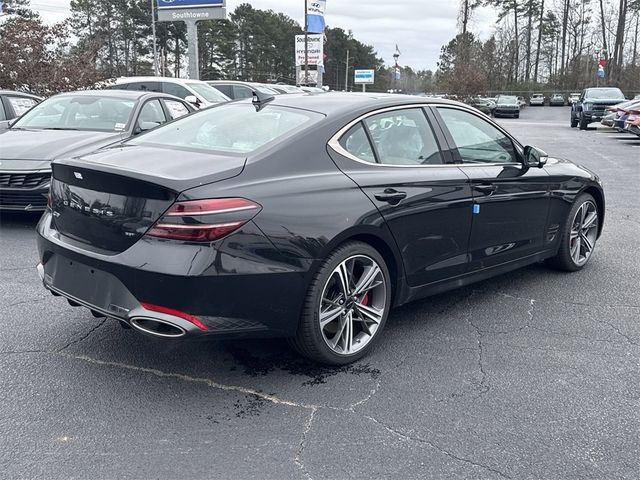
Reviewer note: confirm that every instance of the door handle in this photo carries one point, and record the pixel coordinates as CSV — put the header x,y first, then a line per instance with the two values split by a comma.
x,y
391,196
488,189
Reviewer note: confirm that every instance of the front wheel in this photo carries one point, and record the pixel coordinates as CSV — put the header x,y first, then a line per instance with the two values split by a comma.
x,y
346,306
574,121
579,235
583,122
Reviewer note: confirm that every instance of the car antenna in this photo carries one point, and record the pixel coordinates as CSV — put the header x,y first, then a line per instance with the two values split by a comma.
x,y
261,99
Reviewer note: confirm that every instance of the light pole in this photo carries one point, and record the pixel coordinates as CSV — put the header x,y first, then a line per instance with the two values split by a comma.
x,y
153,32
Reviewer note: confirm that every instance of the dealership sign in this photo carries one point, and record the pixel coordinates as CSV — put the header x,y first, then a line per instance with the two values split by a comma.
x,y
364,77
190,3
314,49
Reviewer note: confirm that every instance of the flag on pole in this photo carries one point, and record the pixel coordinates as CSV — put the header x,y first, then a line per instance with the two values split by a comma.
x,y
315,16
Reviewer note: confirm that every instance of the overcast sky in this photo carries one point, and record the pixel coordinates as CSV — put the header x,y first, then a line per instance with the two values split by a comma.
x,y
419,27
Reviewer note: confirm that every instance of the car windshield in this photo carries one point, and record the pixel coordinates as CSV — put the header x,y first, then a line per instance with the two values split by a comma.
x,y
235,128
604,93
507,100
209,93
80,112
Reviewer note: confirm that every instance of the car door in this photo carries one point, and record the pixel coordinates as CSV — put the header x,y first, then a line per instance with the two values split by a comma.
x,y
511,200
395,157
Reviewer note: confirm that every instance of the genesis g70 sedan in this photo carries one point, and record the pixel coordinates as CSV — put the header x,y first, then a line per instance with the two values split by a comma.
x,y
307,216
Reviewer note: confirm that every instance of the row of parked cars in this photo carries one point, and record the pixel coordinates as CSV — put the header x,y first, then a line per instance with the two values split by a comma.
x,y
37,131
624,117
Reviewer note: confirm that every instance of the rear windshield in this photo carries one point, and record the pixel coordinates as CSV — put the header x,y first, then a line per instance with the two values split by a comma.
x,y
231,128
604,93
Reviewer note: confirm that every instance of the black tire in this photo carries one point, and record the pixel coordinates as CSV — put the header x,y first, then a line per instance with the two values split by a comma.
x,y
309,341
574,121
563,259
583,122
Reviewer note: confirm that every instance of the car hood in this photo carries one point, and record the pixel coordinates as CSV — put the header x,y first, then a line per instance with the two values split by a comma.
x,y
603,102
40,145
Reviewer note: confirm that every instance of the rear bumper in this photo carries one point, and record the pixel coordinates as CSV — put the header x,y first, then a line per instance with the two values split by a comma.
x,y
498,112
238,286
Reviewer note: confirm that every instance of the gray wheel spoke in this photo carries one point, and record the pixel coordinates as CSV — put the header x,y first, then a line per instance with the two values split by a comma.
x,y
348,334
588,246
343,275
367,279
329,316
369,314
589,221
575,250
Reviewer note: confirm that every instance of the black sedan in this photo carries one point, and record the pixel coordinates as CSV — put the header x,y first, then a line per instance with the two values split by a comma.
x,y
67,125
308,217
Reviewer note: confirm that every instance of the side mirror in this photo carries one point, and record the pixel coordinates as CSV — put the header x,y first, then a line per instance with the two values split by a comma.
x,y
4,125
193,100
145,126
534,157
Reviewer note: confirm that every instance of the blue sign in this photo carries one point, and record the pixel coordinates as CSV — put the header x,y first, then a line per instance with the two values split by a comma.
x,y
364,76
190,3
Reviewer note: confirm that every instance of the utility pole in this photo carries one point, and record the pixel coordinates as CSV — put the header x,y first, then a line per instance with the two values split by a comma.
x,y
346,73
153,31
306,42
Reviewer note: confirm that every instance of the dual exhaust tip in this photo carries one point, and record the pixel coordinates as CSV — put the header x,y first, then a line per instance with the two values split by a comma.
x,y
157,328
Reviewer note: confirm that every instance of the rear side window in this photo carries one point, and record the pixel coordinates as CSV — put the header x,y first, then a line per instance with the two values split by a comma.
x,y
152,113
21,104
404,137
355,142
144,86
175,90
231,128
3,116
226,89
240,91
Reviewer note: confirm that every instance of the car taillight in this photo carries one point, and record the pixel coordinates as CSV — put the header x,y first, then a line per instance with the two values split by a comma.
x,y
204,220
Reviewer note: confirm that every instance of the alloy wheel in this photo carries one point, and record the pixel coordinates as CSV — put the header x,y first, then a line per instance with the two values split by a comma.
x,y
584,232
352,305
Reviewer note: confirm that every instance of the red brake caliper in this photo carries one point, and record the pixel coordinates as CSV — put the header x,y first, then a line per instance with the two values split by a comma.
x,y
365,299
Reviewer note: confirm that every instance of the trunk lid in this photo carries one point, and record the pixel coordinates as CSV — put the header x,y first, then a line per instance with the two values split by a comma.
x,y
107,201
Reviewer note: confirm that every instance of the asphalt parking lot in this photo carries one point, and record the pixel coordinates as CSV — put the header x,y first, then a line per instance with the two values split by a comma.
x,y
532,375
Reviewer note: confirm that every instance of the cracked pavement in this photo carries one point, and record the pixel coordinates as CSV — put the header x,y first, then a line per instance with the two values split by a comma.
x,y
532,375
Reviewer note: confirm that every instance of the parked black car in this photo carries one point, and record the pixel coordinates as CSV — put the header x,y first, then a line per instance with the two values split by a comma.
x,y
13,104
70,124
307,216
592,105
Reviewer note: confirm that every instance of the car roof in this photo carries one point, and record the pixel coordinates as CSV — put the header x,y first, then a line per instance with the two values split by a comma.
x,y
336,103
14,92
181,81
115,93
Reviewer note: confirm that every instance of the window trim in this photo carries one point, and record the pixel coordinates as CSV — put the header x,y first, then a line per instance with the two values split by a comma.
x,y
334,142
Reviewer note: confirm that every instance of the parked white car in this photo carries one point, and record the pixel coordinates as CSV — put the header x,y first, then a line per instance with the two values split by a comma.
x,y
537,99
196,92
